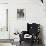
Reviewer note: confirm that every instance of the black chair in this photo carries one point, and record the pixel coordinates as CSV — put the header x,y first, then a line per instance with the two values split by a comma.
x,y
32,29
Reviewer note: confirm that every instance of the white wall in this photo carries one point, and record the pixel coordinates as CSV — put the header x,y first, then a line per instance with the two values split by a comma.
x,y
3,1
34,12
4,34
3,21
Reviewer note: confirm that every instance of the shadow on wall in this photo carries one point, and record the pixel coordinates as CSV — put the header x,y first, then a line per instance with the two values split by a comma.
x,y
41,34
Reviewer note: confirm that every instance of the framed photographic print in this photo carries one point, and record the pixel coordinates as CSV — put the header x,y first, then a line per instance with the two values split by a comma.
x,y
20,13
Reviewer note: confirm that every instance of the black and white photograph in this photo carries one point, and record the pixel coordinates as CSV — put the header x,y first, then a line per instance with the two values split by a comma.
x,y
21,14
22,22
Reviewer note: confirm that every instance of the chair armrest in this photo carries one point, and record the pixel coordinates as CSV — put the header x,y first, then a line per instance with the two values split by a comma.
x,y
22,35
24,32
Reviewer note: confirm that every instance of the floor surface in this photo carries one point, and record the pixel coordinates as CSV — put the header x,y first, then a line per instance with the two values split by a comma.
x,y
5,44
27,44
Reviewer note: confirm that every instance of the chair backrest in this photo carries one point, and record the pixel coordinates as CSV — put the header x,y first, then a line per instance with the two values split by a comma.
x,y
33,28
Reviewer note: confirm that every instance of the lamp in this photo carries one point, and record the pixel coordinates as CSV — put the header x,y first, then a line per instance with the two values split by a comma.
x,y
42,1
